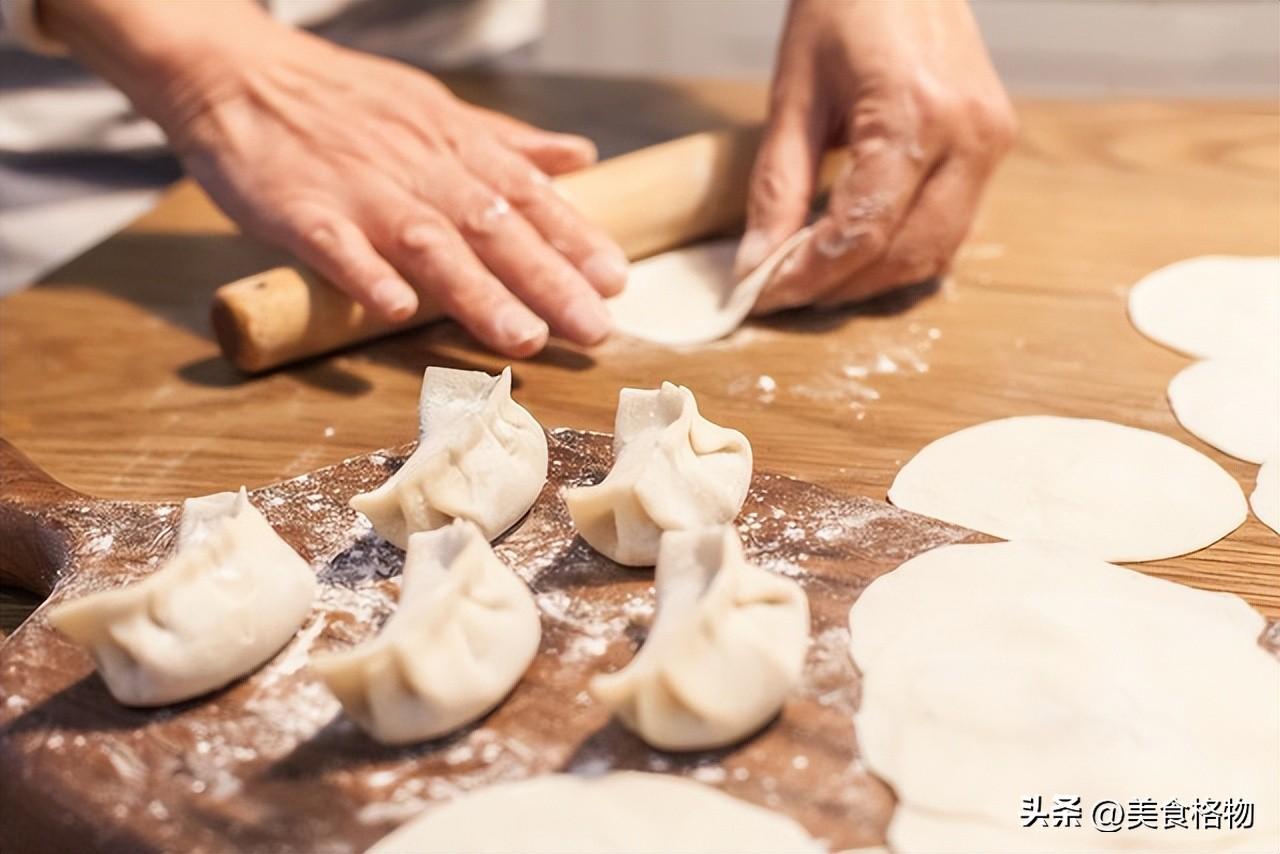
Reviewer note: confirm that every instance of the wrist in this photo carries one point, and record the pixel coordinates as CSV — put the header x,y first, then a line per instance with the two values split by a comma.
x,y
172,60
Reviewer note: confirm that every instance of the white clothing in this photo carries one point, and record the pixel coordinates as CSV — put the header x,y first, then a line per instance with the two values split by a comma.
x,y
73,151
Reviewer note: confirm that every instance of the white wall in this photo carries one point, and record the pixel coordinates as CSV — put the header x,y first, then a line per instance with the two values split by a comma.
x,y
1056,47
1146,47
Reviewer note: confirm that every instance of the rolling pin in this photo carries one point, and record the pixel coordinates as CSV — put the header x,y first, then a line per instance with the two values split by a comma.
x,y
649,201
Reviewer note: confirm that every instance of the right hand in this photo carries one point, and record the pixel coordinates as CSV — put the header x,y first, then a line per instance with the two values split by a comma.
x,y
376,176
909,90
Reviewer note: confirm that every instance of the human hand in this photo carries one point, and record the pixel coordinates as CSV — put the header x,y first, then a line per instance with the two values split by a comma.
x,y
909,88
372,173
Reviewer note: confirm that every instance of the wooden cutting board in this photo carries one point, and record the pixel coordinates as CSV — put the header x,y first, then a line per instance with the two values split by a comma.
x,y
270,764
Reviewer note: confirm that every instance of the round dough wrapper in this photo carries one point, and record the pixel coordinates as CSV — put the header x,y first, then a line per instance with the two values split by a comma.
x,y
622,812
1115,492
1233,404
1001,671
1215,305
689,295
1266,495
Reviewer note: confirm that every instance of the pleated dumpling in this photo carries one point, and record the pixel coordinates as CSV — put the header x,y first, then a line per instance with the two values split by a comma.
x,y
673,470
481,457
463,634
727,646
229,598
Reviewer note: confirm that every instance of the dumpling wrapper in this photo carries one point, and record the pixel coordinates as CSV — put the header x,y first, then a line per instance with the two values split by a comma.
x,y
727,646
1265,499
1115,492
231,595
689,295
625,812
1213,305
1233,404
1002,671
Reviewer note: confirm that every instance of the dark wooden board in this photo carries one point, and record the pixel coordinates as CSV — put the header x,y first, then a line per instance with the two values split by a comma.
x,y
270,764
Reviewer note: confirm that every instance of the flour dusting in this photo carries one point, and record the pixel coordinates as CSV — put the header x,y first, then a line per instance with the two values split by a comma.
x,y
273,759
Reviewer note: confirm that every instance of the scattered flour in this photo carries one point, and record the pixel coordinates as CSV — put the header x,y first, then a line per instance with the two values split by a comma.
x,y
841,374
283,718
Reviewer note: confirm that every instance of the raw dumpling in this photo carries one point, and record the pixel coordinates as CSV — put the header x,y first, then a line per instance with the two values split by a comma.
x,y
463,635
481,457
674,470
728,644
232,594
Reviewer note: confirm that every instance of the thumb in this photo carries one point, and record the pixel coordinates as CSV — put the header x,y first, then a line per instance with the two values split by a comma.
x,y
781,186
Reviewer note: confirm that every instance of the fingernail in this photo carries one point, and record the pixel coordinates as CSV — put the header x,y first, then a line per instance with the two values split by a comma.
x,y
518,328
607,271
752,251
395,299
587,321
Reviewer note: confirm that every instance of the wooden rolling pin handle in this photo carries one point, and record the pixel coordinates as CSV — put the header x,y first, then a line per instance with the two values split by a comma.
x,y
286,314
649,201
33,546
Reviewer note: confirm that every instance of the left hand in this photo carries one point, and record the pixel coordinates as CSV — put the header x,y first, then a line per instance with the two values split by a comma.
x,y
909,88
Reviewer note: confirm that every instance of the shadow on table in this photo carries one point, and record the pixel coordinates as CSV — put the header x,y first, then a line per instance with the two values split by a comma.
x,y
15,606
87,706
816,320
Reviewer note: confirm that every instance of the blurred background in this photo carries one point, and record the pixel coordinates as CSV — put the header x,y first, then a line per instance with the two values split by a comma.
x,y
1166,48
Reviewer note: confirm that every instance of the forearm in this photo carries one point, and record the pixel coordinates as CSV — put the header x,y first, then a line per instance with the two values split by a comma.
x,y
169,58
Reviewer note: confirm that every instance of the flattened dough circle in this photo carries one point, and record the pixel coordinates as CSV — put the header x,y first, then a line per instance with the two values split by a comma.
x,y
1214,305
1265,499
1233,404
996,672
621,812
1114,492
689,295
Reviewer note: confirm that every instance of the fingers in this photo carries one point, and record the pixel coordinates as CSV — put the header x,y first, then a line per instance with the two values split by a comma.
x,y
932,231
553,153
337,249
528,235
586,246
520,257
426,247
868,202
781,186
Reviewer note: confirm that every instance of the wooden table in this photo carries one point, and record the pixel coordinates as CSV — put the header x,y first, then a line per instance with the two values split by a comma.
x,y
110,380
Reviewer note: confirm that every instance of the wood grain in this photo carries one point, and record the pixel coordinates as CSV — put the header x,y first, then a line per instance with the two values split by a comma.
x,y
110,380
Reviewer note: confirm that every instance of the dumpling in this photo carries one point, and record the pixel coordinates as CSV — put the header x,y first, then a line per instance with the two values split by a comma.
x,y
674,470
727,646
229,598
481,457
464,633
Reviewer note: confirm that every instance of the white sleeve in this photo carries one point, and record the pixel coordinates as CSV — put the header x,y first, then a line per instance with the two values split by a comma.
x,y
20,21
